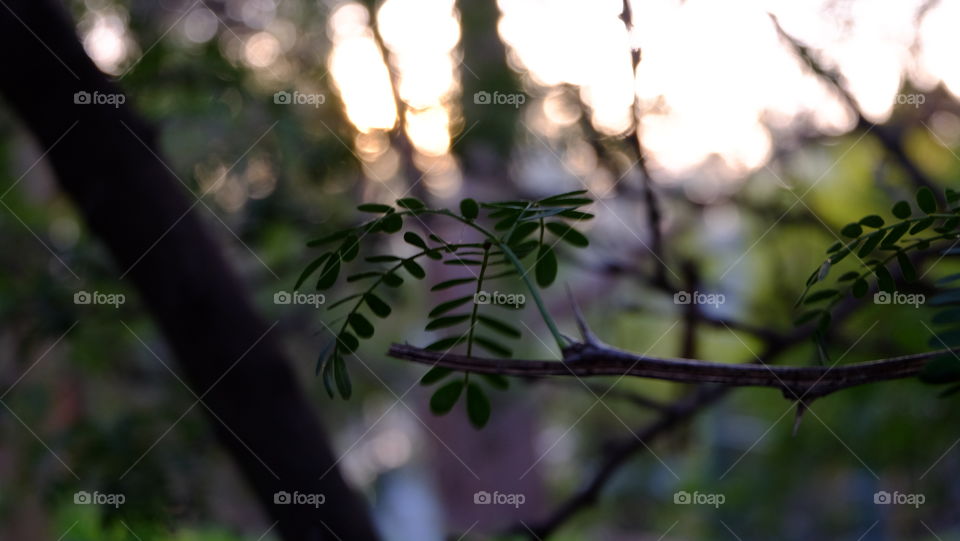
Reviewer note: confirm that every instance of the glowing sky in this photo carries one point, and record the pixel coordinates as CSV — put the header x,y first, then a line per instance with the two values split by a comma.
x,y
716,83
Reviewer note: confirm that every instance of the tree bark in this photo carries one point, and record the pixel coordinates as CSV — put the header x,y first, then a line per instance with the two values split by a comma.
x,y
229,355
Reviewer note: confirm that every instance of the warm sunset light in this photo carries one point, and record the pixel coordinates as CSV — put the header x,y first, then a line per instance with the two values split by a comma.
x,y
755,85
357,67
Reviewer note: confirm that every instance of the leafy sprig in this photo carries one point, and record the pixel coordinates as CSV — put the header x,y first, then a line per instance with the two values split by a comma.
x,y
876,245
519,242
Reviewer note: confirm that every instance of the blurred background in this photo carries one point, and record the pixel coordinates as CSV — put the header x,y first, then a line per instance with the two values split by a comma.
x,y
765,127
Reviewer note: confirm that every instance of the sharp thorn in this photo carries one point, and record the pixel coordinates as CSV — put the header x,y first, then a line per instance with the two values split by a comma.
x,y
801,409
585,332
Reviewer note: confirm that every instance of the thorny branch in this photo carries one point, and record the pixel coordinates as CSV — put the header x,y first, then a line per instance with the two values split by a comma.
x,y
672,416
596,359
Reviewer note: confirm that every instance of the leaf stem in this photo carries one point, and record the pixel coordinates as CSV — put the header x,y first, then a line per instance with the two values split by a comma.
x,y
376,283
893,225
541,307
476,305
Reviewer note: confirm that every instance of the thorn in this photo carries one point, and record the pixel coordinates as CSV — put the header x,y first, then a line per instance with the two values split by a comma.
x,y
801,409
585,332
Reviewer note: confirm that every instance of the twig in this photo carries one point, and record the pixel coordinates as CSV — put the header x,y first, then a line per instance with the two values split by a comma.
x,y
692,315
679,412
654,216
398,136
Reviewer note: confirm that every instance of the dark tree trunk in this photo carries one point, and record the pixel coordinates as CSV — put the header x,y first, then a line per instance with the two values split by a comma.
x,y
130,200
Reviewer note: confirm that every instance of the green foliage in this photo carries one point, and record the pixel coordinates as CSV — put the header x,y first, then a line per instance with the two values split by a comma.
x,y
87,523
945,369
878,247
515,238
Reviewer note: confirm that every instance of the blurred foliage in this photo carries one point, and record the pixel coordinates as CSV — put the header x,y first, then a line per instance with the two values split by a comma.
x,y
85,524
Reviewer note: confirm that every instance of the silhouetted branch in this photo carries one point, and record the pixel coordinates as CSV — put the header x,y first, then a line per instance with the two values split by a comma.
x,y
888,136
654,216
675,415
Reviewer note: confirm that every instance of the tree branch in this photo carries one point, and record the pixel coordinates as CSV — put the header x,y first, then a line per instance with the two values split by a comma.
x,y
587,360
675,414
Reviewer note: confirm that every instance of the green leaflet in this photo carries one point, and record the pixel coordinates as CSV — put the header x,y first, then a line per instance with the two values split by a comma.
x,y
478,406
445,397
470,209
546,266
